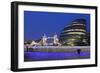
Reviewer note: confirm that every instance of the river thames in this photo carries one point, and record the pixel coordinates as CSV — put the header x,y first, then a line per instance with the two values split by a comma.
x,y
57,53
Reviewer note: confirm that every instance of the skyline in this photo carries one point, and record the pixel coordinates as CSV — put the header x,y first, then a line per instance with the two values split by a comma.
x,y
36,24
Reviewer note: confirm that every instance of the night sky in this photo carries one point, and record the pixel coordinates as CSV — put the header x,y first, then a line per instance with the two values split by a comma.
x,y
36,24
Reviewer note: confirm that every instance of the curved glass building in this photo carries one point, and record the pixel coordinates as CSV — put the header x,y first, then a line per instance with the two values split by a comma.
x,y
74,34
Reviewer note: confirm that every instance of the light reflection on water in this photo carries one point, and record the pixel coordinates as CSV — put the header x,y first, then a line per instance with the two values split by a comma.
x,y
43,56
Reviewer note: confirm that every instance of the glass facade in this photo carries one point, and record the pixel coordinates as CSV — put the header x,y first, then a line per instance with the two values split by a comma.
x,y
75,34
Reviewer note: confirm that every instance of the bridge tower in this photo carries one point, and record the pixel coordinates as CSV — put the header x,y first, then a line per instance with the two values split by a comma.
x,y
44,40
56,40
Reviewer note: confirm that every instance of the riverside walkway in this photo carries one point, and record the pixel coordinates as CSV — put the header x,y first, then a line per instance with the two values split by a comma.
x,y
59,48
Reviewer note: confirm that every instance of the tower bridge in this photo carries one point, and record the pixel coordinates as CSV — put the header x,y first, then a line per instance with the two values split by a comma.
x,y
45,41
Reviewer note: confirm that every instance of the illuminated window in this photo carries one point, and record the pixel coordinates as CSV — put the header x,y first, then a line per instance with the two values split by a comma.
x,y
75,30
79,24
71,39
71,44
81,33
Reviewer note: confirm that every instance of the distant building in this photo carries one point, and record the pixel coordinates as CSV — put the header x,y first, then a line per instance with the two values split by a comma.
x,y
75,34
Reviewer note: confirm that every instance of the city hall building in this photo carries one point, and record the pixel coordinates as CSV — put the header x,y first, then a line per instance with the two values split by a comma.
x,y
75,34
